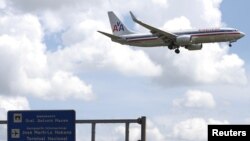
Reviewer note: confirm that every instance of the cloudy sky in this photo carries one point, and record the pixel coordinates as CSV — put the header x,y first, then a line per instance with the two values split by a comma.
x,y
52,58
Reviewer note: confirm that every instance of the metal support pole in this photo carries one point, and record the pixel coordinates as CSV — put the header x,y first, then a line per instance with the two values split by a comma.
x,y
143,128
127,132
93,131
3,121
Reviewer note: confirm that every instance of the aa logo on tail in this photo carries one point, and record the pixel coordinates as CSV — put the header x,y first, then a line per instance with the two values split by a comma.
x,y
118,27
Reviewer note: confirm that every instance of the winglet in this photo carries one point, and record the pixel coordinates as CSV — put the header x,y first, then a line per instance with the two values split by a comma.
x,y
133,16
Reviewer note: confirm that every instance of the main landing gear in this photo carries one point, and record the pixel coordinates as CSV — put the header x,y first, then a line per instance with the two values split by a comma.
x,y
177,50
230,45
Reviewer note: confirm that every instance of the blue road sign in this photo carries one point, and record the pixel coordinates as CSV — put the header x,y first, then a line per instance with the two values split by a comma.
x,y
52,125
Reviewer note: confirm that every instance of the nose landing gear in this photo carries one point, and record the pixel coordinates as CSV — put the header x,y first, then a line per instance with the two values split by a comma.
x,y
177,51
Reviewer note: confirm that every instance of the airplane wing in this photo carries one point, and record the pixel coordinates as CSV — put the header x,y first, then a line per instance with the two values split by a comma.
x,y
166,36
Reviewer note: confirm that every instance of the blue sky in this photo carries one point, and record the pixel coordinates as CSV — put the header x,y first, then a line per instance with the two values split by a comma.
x,y
53,58
233,15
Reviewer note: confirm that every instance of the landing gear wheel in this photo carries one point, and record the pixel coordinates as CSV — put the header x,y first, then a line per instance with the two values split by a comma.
x,y
230,45
177,51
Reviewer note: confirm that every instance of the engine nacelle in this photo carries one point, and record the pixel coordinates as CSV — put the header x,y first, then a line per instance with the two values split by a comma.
x,y
183,40
194,47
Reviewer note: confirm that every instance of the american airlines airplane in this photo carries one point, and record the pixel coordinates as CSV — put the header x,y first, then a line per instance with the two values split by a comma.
x,y
191,40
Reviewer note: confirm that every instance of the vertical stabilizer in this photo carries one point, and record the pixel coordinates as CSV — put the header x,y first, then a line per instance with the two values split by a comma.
x,y
118,28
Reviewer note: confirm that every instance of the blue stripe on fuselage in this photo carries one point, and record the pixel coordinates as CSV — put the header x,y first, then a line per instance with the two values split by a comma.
x,y
192,33
205,32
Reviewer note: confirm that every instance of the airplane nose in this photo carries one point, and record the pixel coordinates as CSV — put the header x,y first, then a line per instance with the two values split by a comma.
x,y
242,34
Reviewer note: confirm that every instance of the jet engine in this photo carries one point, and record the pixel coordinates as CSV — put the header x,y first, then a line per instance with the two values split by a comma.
x,y
183,40
194,47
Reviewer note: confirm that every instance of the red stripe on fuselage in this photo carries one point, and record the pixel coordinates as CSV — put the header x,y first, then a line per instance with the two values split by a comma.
x,y
213,34
140,40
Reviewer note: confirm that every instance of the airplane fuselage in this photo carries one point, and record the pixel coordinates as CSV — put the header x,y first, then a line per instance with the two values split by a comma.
x,y
184,38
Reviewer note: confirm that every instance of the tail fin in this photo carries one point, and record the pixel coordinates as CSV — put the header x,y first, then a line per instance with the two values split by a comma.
x,y
118,28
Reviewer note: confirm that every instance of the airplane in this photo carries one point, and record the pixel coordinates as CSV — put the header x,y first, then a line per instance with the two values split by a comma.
x,y
191,40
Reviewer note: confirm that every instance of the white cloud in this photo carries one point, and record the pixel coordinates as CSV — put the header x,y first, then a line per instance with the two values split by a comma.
x,y
180,23
212,11
80,31
21,49
30,5
194,129
66,85
10,103
51,22
211,65
163,3
27,71
61,85
2,4
132,62
196,99
26,25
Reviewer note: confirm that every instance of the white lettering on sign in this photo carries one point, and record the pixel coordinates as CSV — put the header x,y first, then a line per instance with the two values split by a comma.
x,y
61,120
45,120
216,132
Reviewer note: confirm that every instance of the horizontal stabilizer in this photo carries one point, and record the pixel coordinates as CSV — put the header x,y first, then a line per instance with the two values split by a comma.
x,y
113,37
